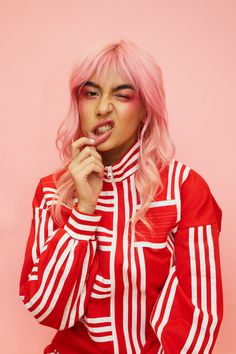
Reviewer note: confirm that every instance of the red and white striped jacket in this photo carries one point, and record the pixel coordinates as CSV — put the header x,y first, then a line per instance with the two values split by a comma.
x,y
107,290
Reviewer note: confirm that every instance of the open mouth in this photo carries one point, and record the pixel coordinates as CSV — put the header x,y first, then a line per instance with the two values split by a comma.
x,y
103,129
103,126
101,133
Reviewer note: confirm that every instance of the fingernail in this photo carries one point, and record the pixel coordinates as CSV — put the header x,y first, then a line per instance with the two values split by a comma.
x,y
92,140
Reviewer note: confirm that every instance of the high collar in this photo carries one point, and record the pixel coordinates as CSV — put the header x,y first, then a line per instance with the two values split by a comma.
x,y
125,166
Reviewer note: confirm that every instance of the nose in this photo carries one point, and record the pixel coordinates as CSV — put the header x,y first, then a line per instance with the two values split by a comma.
x,y
104,106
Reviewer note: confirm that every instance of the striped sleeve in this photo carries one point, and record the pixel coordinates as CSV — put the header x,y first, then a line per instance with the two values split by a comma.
x,y
57,265
188,313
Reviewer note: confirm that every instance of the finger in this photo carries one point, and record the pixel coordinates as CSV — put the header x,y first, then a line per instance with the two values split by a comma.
x,y
86,168
75,165
79,144
87,152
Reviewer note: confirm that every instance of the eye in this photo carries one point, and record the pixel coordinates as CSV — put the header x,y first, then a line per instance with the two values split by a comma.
x,y
92,92
123,96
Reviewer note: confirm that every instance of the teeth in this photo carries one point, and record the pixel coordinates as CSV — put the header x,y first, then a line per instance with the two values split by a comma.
x,y
103,129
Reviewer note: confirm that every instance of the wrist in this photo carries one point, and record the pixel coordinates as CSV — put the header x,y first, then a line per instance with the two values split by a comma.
x,y
85,209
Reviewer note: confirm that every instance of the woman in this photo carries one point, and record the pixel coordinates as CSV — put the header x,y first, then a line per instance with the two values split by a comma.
x,y
123,253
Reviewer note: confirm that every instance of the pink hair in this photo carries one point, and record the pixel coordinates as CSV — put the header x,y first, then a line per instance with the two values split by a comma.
x,y
156,148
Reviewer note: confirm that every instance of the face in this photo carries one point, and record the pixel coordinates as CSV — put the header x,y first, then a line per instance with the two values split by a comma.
x,y
124,106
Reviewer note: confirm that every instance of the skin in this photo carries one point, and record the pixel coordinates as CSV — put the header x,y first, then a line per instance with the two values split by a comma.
x,y
98,104
88,158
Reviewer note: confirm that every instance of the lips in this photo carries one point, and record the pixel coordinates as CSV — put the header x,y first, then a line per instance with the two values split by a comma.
x,y
104,122
104,136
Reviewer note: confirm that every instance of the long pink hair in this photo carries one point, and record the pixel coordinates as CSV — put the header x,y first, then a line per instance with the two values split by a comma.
x,y
156,148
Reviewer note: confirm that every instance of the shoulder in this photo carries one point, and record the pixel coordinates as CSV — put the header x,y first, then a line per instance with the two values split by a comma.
x,y
46,188
179,172
51,179
198,205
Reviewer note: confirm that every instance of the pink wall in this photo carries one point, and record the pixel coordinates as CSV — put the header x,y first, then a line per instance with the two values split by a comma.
x,y
40,41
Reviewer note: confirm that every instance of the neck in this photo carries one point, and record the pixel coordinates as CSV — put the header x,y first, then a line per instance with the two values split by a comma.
x,y
112,156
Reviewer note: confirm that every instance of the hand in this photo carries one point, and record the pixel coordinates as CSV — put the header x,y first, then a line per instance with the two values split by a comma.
x,y
87,170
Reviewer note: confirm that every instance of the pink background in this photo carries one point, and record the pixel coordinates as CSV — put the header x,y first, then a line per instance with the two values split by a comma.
x,y
193,41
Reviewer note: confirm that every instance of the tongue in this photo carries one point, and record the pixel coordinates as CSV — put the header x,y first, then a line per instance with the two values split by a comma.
x,y
101,137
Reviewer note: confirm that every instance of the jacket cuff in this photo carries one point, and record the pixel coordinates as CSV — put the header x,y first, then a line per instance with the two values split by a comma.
x,y
82,226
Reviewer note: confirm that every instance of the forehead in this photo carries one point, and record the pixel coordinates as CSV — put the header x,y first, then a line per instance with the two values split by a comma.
x,y
109,77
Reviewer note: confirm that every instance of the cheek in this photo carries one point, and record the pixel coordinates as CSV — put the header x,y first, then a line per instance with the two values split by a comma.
x,y
130,108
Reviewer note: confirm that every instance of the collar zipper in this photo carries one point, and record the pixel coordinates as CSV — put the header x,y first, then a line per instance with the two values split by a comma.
x,y
109,172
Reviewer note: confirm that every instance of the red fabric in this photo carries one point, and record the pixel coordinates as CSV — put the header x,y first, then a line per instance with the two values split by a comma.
x,y
107,291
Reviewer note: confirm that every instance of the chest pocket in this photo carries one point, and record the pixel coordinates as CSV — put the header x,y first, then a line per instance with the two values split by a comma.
x,y
162,216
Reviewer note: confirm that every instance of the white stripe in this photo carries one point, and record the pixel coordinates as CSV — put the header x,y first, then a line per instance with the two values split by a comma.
x,y
124,176
193,265
101,339
102,279
84,289
107,193
50,286
67,310
203,290
104,238
105,201
79,226
43,203
44,248
170,241
160,203
185,174
77,235
128,348
168,308
143,296
42,229
169,185
97,319
117,171
101,329
47,271
104,208
134,274
112,271
36,228
126,157
156,245
104,230
104,248
170,249
61,284
90,218
50,226
193,290
99,288
50,195
177,191
49,189
100,296
82,300
213,288
161,298
81,290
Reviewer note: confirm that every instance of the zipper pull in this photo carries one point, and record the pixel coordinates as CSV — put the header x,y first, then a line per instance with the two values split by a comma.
x,y
109,172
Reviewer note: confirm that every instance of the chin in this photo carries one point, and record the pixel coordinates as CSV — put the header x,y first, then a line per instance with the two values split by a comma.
x,y
107,145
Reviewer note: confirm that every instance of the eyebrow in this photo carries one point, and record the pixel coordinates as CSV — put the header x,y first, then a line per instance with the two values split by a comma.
x,y
117,88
